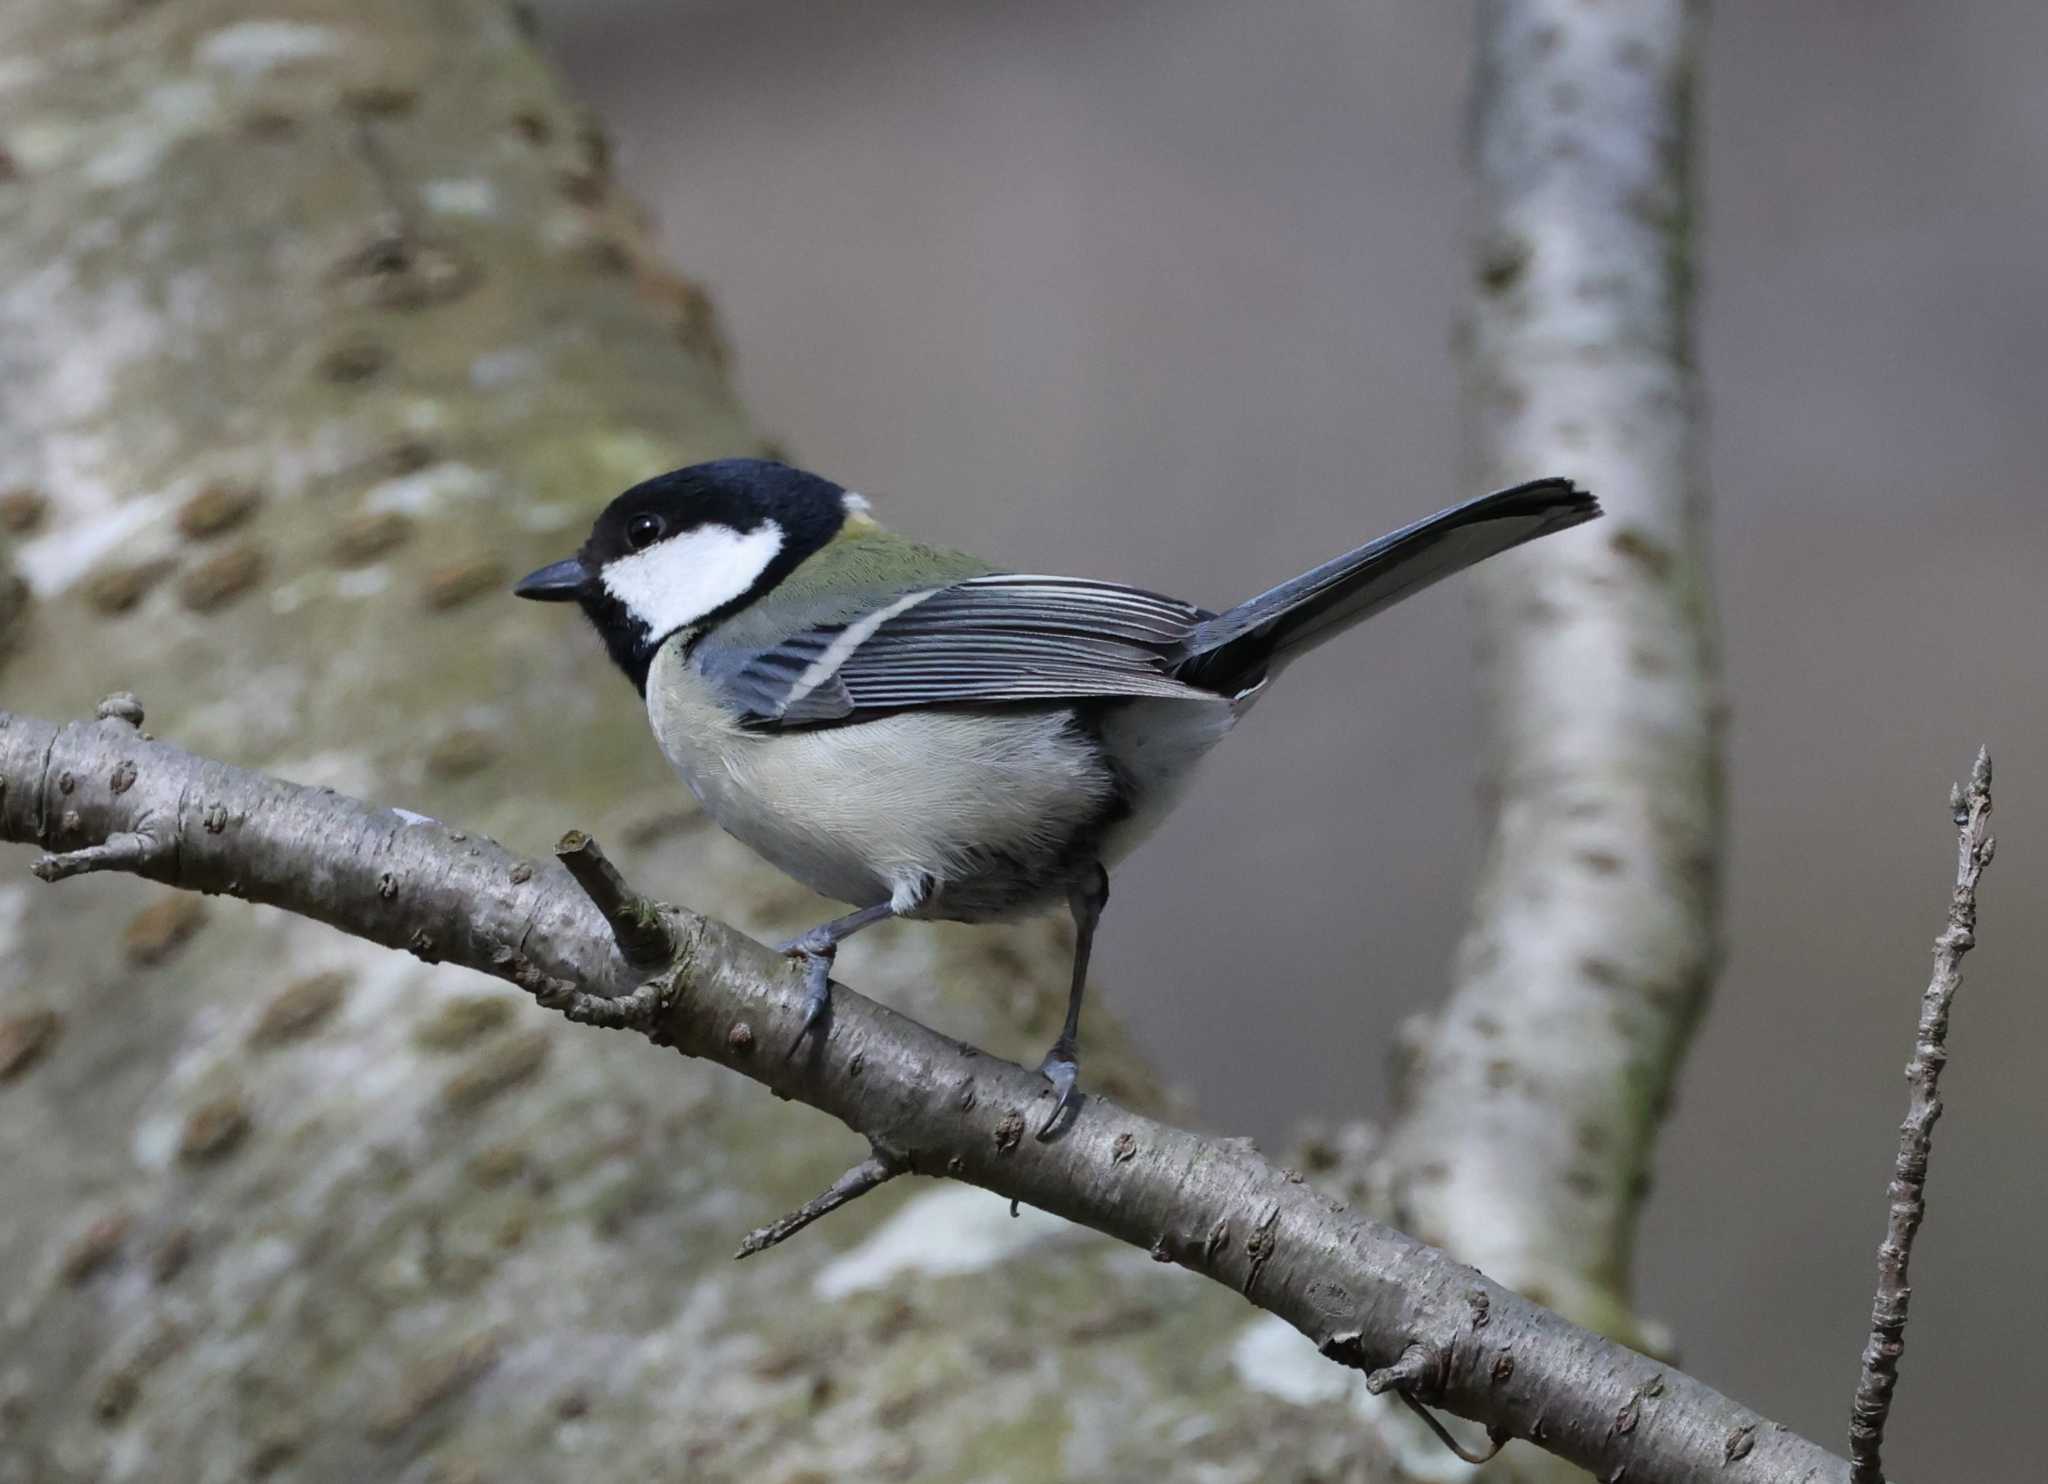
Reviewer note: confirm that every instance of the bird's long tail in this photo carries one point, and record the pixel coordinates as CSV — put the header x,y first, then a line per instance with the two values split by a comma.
x,y
1239,647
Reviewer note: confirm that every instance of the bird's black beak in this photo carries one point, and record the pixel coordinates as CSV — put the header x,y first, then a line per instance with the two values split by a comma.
x,y
558,582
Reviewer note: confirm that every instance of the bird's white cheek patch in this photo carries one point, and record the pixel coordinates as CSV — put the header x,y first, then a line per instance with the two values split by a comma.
x,y
675,582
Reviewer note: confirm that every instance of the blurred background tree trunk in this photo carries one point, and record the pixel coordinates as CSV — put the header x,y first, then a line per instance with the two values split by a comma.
x,y
1528,1104
319,321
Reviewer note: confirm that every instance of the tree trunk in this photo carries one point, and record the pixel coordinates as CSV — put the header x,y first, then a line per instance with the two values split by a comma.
x,y
1529,1103
320,321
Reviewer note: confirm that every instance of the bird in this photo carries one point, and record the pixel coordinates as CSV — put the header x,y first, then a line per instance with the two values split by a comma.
x,y
918,733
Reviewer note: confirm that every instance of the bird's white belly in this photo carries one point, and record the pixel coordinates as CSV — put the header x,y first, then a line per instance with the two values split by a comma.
x,y
1156,745
988,804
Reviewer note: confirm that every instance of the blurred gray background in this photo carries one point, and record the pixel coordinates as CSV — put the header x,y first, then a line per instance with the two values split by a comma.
x,y
1164,291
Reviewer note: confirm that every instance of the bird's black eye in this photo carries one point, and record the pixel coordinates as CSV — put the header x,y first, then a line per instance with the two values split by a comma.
x,y
643,530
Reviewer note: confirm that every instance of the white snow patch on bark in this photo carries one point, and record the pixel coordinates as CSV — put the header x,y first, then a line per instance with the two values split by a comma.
x,y
414,494
87,339
955,1229
167,115
466,196
1272,1356
367,583
53,561
251,48
500,368
552,516
344,772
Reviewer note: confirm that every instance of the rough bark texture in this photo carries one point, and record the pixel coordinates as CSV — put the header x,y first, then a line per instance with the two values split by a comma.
x,y
1530,1101
1364,1294
319,319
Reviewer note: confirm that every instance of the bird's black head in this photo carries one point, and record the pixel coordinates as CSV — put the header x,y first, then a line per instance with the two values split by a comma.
x,y
686,549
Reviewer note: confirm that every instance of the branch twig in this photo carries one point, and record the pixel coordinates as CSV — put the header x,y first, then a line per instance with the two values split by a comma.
x,y
636,923
877,1169
130,850
1364,1293
1908,1188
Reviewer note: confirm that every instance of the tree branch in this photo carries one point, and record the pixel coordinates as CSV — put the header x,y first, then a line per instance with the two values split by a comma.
x,y
1908,1189
1368,1296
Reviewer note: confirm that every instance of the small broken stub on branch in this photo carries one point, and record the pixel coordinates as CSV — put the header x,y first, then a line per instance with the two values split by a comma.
x,y
637,925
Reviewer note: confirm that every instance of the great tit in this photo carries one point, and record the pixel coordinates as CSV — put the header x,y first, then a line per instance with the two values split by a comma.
x,y
918,733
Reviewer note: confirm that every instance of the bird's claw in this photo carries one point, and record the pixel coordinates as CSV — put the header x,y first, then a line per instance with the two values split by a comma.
x,y
817,984
1062,1068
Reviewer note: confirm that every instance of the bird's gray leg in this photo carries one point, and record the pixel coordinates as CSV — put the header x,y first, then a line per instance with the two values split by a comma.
x,y
817,948
1062,1064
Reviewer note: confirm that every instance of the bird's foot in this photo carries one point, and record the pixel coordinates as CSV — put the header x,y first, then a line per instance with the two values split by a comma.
x,y
817,951
1062,1068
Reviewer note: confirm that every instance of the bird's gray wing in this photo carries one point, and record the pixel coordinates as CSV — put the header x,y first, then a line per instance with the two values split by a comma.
x,y
1005,638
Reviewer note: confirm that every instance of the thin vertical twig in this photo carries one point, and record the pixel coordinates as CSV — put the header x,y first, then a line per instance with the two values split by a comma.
x,y
1908,1188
